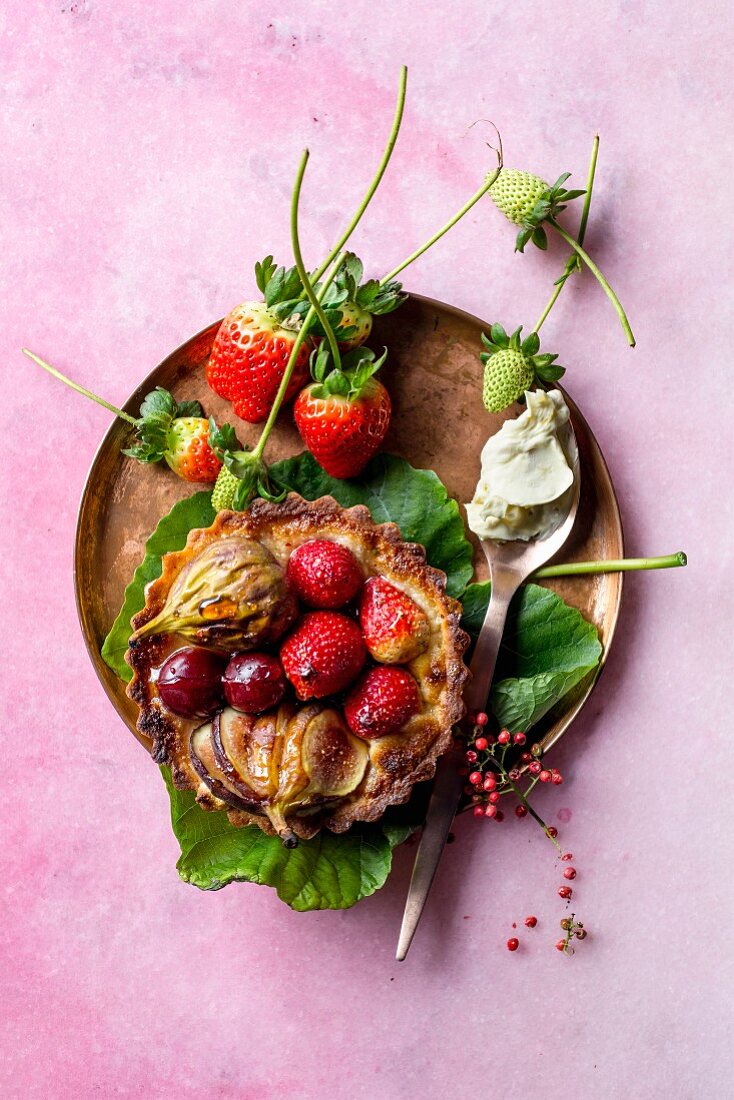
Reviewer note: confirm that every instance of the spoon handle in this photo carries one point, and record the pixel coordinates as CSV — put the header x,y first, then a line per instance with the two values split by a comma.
x,y
448,782
504,585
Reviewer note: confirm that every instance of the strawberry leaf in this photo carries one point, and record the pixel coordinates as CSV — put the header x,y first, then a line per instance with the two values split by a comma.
x,y
550,373
539,238
531,344
189,408
499,336
264,272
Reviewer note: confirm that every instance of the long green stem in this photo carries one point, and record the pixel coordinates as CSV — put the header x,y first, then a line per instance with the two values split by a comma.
x,y
80,389
301,267
444,228
290,366
598,275
399,107
573,260
613,565
334,255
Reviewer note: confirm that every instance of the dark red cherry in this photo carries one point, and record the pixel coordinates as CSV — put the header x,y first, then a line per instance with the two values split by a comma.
x,y
254,682
190,682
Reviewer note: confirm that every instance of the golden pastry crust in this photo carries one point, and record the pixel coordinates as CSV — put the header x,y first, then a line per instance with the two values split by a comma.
x,y
397,761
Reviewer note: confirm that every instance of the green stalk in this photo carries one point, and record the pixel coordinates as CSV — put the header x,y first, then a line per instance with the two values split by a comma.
x,y
80,389
613,565
445,228
301,267
573,261
598,275
403,80
335,254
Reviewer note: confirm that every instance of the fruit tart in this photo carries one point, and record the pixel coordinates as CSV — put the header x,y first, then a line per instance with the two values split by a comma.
x,y
298,665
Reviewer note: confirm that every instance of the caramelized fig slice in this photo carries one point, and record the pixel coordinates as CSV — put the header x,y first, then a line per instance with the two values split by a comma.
x,y
232,595
201,752
246,750
333,758
292,779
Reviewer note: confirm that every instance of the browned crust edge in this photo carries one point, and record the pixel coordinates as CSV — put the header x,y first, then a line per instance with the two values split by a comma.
x,y
385,546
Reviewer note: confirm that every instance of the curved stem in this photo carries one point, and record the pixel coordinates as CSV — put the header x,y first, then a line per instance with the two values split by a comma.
x,y
290,366
572,260
445,228
399,107
335,254
301,267
614,565
597,273
80,389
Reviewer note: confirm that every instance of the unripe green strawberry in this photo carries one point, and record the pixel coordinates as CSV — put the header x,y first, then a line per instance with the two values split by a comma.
x,y
511,366
224,490
507,374
515,193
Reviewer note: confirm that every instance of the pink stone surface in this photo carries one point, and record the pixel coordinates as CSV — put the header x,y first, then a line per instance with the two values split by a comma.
x,y
147,158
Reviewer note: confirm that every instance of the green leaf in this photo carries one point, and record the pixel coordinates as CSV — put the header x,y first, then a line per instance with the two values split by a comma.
x,y
550,373
540,239
222,440
189,408
158,405
499,336
531,344
395,491
170,534
327,872
264,272
547,648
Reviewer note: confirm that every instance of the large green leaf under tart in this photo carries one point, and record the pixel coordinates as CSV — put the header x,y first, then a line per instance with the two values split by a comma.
x,y
548,648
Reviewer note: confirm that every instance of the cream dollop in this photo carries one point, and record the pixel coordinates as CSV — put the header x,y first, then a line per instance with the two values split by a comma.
x,y
527,472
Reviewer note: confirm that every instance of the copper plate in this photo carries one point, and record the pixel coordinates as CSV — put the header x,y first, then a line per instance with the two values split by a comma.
x,y
434,377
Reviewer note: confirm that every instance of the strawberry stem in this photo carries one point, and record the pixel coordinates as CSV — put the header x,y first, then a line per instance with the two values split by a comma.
x,y
445,228
573,261
301,267
613,565
398,118
80,389
337,255
598,275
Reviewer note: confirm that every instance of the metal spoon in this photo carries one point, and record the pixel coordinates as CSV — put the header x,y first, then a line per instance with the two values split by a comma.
x,y
510,563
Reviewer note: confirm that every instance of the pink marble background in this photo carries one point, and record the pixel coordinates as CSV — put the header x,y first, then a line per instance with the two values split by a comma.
x,y
147,158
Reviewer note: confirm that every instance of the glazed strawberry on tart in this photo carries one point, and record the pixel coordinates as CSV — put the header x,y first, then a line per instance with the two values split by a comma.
x,y
299,666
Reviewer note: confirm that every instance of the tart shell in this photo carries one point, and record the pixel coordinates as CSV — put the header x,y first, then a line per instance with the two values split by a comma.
x,y
397,761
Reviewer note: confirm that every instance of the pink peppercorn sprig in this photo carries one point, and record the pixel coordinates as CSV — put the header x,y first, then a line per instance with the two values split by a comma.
x,y
572,929
491,774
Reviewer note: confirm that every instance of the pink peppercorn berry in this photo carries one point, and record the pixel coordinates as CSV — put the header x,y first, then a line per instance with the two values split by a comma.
x,y
471,757
570,873
490,811
552,831
503,737
489,782
513,944
556,777
480,719
519,738
561,945
521,811
481,743
478,811
567,857
476,779
545,776
565,892
530,922
534,768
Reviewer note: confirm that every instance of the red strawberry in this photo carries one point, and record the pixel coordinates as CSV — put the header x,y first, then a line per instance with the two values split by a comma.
x,y
188,452
248,360
343,432
324,573
394,626
382,702
323,654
